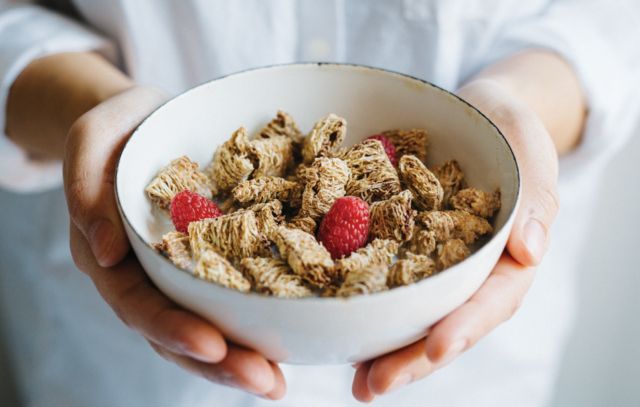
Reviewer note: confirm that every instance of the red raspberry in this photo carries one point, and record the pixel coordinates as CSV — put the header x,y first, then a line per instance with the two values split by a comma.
x,y
389,148
345,228
187,207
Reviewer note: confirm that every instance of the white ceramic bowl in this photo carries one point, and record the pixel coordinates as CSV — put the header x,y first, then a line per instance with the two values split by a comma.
x,y
317,330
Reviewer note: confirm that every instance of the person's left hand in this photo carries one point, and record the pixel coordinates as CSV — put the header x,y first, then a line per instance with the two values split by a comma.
x,y
502,293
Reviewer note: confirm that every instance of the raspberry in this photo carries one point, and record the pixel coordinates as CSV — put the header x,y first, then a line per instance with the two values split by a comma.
x,y
345,228
389,148
187,207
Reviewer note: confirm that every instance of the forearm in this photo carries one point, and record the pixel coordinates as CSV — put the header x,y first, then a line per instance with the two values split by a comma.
x,y
545,83
51,93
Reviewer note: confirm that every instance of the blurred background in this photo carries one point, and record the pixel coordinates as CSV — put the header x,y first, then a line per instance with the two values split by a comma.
x,y
601,364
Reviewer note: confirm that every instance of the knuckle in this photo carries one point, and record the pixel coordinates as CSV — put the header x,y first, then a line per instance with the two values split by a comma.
x,y
76,198
550,201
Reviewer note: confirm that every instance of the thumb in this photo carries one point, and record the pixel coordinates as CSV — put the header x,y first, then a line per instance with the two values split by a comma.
x,y
539,204
538,163
94,144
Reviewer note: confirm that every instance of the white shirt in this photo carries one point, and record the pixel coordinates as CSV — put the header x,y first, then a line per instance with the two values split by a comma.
x,y
67,346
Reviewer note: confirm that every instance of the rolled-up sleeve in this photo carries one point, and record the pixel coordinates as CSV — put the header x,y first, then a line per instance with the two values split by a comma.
x,y
28,32
600,40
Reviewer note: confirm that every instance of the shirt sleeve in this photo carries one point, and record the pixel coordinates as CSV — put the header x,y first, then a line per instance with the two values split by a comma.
x,y
600,40
29,32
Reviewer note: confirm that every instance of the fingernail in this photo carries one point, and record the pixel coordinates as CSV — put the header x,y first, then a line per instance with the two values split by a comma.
x,y
402,380
453,352
101,237
535,237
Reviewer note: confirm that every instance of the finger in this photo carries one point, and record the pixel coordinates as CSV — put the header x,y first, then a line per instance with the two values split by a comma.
x,y
142,307
360,388
241,368
538,164
495,302
399,368
539,204
280,386
93,146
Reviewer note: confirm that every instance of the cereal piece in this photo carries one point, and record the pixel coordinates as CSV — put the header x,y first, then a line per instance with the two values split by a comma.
x,y
327,134
179,175
477,202
235,235
422,242
393,218
412,141
304,223
324,182
439,222
273,155
308,258
373,178
213,267
469,227
412,269
264,189
367,280
269,217
329,290
427,192
282,125
274,277
439,226
175,247
451,179
451,252
233,161
379,251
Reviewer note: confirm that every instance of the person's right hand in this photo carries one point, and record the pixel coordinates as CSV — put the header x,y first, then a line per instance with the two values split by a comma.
x,y
101,250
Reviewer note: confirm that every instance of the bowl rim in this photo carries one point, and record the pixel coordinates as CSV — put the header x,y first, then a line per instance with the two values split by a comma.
x,y
317,299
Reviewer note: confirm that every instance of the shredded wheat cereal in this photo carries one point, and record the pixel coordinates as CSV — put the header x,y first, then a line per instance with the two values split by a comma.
x,y
274,155
234,236
426,189
451,179
469,227
264,189
308,258
324,182
477,202
274,277
232,161
393,218
379,251
213,267
175,247
277,187
372,175
367,280
282,125
412,141
268,216
181,174
327,134
411,269
451,252
304,223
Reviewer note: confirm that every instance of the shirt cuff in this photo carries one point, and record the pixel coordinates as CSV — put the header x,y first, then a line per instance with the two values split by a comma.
x,y
31,32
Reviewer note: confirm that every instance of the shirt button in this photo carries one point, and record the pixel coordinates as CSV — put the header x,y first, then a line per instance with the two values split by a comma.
x,y
318,48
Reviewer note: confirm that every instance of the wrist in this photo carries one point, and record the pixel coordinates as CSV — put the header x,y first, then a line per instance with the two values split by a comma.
x,y
52,92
